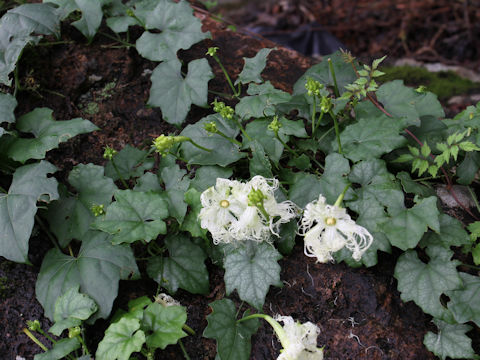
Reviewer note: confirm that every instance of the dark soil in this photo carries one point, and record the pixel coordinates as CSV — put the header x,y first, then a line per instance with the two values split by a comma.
x,y
359,311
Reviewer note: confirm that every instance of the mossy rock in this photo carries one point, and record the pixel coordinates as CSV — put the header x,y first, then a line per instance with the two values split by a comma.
x,y
444,84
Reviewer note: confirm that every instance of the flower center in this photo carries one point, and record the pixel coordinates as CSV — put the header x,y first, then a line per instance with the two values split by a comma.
x,y
224,203
330,221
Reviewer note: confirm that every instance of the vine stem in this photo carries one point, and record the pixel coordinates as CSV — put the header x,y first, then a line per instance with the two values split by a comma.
x,y
337,131
34,339
239,124
188,329
314,111
47,231
232,140
217,59
184,351
334,77
126,44
119,175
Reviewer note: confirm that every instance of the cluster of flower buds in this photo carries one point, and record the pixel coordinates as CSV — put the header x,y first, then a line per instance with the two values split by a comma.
x,y
109,153
313,87
225,111
162,144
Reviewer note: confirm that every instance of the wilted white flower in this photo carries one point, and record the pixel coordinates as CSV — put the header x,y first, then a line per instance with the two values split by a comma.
x,y
328,228
299,341
166,300
244,211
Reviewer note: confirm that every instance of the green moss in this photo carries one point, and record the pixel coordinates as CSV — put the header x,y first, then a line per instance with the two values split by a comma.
x,y
444,84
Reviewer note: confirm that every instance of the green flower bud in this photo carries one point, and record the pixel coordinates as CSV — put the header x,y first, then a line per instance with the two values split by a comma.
x,y
109,153
224,110
98,210
212,51
130,13
163,144
211,127
421,89
34,325
325,104
313,87
275,125
218,105
255,198
74,331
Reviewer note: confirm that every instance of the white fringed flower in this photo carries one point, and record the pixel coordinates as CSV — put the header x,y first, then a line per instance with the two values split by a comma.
x,y
244,211
222,205
299,341
328,228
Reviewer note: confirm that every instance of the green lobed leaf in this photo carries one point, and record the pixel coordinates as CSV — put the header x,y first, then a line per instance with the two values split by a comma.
x,y
371,216
259,132
253,67
206,176
407,226
222,153
8,103
180,29
121,339
134,216
130,162
65,7
464,302
306,188
176,183
291,127
233,338
286,241
70,217
259,163
183,268
424,283
450,341
19,206
344,74
250,269
91,19
148,182
174,94
60,349
261,102
16,28
378,185
191,223
476,254
97,268
468,168
413,187
404,102
334,178
71,309
451,234
371,137
302,162
48,134
163,325
468,118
